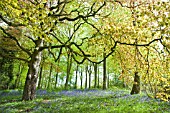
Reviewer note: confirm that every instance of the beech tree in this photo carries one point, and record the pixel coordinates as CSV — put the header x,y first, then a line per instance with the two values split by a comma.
x,y
42,21
138,32
144,45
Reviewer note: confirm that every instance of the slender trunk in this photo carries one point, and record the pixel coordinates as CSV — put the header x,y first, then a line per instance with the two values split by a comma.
x,y
69,63
95,75
19,80
90,71
56,77
86,77
16,81
70,82
136,84
42,81
18,77
49,78
81,78
104,72
89,80
40,77
56,80
32,75
67,77
108,80
98,82
75,85
10,73
45,82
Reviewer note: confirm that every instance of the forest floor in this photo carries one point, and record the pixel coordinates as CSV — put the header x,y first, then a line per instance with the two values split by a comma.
x,y
81,101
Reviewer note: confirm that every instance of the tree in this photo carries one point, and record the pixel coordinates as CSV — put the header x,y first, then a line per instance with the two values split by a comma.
x,y
90,72
150,34
141,25
81,78
49,79
95,75
69,65
42,21
104,72
86,72
40,77
77,70
136,84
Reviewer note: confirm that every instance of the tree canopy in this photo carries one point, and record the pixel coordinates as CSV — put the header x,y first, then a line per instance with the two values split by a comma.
x,y
134,33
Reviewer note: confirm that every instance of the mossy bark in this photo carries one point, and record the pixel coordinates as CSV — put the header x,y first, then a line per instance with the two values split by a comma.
x,y
29,92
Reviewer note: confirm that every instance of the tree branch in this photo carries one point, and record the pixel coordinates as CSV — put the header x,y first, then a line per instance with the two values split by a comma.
x,y
165,47
13,57
134,6
30,38
75,29
52,47
112,50
82,16
10,23
59,54
124,43
13,38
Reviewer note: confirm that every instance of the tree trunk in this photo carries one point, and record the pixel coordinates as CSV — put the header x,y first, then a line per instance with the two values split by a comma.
x,y
86,77
45,82
56,80
56,77
69,63
104,72
75,85
17,80
95,75
98,82
136,84
108,80
49,78
81,78
40,77
29,92
10,73
90,71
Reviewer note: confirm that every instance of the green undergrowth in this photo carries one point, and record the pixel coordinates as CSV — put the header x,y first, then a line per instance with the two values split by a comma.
x,y
82,101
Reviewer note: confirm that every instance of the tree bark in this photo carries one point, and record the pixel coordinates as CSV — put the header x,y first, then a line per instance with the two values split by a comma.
x,y
29,92
81,78
75,85
56,80
95,75
86,77
136,84
90,71
49,78
69,63
40,77
98,82
104,72
56,77
108,82
17,80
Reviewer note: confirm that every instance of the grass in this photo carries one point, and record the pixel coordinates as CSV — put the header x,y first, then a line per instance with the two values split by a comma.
x,y
81,101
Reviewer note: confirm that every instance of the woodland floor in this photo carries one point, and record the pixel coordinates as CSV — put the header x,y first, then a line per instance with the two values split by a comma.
x,y
81,101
